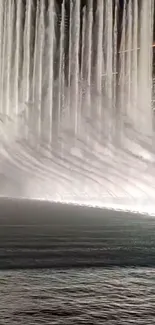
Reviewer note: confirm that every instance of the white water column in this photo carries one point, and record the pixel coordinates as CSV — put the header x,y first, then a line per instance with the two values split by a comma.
x,y
145,67
104,74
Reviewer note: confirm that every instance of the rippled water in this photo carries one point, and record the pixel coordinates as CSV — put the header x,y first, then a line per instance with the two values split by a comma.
x,y
79,296
62,264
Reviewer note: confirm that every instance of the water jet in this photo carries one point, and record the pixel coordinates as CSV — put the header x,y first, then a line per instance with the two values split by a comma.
x,y
76,99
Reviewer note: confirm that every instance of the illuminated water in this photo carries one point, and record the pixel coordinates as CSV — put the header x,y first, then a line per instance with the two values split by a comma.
x,y
75,100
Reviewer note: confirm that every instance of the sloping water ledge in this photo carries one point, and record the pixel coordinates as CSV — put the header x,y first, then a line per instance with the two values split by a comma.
x,y
37,234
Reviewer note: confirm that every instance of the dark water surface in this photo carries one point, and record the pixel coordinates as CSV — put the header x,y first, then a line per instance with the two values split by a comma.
x,y
69,265
78,296
40,235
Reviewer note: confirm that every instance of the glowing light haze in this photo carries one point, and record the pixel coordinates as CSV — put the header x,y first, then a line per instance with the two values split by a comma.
x,y
76,118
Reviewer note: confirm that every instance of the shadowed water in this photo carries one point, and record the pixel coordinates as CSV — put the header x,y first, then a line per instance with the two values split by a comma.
x,y
40,234
84,296
64,264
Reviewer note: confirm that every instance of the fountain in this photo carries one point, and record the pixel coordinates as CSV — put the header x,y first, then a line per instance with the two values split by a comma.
x,y
76,118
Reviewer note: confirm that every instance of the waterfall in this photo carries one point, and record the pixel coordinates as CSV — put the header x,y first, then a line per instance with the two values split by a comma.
x,y
76,97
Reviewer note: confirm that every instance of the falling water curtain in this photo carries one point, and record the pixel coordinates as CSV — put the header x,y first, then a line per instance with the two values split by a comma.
x,y
72,75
